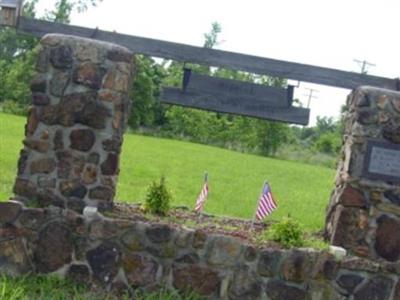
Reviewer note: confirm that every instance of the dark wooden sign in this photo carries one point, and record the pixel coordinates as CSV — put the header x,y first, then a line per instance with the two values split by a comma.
x,y
229,90
382,161
235,104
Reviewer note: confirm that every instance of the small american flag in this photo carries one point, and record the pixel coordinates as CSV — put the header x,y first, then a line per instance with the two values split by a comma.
x,y
266,203
202,197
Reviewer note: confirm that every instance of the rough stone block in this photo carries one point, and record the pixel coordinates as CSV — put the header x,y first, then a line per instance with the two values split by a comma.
x,y
80,107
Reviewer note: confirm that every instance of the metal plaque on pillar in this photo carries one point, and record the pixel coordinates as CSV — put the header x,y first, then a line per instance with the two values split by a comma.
x,y
382,161
236,97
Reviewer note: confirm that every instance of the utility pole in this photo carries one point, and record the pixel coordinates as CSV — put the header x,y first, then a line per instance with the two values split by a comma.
x,y
310,95
364,65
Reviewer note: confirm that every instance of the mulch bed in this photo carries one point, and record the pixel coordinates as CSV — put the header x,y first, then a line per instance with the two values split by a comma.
x,y
184,217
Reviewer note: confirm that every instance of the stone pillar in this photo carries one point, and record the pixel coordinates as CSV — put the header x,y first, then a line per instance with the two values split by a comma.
x,y
74,132
364,211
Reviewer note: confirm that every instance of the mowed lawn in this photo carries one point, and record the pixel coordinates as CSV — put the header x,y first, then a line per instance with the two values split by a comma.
x,y
302,191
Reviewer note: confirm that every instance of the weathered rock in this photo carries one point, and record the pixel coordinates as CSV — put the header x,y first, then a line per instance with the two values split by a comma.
x,y
250,254
61,57
54,248
58,141
40,99
366,117
224,251
59,83
94,114
140,270
104,261
116,80
44,181
245,285
268,262
101,193
352,197
39,84
119,56
387,243
33,122
393,197
89,74
43,165
49,115
93,158
79,273
189,258
199,239
280,290
73,188
159,233
82,139
22,162
24,187
377,288
42,61
37,145
355,264
351,225
396,104
112,145
110,165
69,165
110,96
396,295
32,218
9,211
391,132
325,267
133,240
201,280
76,204
103,229
296,266
349,282
14,259
89,174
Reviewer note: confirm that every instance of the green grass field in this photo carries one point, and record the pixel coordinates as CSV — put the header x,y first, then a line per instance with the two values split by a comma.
x,y
235,179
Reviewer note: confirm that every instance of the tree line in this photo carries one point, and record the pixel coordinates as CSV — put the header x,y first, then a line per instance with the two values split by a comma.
x,y
148,116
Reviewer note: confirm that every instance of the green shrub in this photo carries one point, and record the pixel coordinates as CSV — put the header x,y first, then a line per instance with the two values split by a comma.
x,y
15,108
287,232
158,198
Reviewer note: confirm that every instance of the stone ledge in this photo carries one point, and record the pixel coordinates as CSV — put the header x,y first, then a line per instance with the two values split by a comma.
x,y
100,249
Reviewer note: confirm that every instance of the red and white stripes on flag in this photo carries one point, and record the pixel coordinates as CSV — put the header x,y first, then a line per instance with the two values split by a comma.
x,y
202,198
266,203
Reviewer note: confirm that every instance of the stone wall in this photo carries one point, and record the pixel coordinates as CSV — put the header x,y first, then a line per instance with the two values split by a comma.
x,y
74,131
364,210
123,255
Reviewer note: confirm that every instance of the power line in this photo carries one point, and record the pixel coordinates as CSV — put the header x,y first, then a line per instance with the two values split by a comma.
x,y
364,64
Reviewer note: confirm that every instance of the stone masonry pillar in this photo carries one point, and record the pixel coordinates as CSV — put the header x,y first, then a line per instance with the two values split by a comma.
x,y
74,132
364,211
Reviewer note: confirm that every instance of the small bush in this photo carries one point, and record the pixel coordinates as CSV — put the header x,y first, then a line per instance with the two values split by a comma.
x,y
286,232
12,107
158,198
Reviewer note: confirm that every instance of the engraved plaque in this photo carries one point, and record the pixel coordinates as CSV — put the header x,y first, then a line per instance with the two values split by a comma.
x,y
382,161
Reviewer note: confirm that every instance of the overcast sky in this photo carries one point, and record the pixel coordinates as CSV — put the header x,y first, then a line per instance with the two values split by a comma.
x,y
318,32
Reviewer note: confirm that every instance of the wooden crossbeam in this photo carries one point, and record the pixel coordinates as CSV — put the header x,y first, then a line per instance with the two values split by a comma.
x,y
211,57
235,105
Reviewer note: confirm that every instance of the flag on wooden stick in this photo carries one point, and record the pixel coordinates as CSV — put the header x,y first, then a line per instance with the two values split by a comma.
x,y
266,203
203,195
